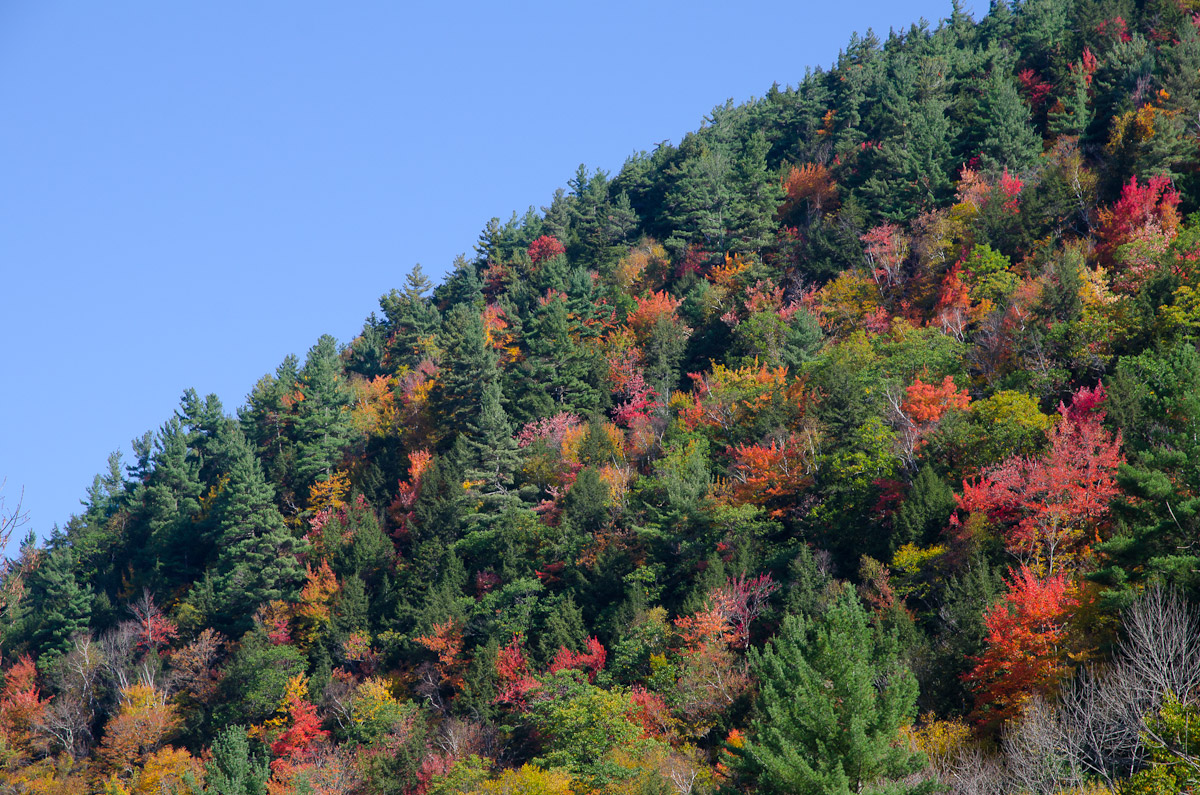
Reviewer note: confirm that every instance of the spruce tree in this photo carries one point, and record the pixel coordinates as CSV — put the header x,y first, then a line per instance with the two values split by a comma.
x,y
257,553
468,366
267,420
556,374
170,503
494,453
322,417
832,699
925,511
233,769
412,320
57,606
1002,120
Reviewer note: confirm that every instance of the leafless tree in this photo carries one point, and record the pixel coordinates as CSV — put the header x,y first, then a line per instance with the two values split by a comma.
x,y
461,738
66,723
1036,759
337,700
1097,725
1161,649
976,773
118,647
68,719
194,667
13,570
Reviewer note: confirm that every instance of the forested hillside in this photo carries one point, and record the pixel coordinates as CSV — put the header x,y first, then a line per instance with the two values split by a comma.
x,y
850,445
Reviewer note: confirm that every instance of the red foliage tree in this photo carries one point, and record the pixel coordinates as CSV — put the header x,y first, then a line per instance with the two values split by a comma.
x,y
1140,207
1025,651
590,661
650,712
20,704
516,681
408,490
739,602
1033,87
1052,508
154,629
446,641
544,248
886,249
298,742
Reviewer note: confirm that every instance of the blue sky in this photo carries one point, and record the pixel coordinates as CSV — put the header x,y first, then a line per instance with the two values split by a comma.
x,y
191,191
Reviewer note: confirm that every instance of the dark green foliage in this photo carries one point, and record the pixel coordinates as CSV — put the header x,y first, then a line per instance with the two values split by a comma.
x,y
322,418
833,697
256,552
925,512
58,607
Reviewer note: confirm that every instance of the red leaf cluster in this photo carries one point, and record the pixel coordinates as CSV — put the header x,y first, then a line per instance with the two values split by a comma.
x,y
590,661
544,248
1052,507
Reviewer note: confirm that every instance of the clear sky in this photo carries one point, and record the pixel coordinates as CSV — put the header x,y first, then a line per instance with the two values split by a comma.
x,y
189,191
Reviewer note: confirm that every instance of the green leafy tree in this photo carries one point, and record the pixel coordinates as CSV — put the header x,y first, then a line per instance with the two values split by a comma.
x,y
832,699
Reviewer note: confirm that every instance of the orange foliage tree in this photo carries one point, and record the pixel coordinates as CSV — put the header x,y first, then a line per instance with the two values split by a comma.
x,y
20,703
144,721
446,641
773,475
919,412
808,189
1025,652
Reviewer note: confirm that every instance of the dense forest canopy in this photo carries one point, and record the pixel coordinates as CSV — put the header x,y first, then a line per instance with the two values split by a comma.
x,y
851,445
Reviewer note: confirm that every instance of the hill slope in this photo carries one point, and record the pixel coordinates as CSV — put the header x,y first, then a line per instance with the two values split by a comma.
x,y
874,397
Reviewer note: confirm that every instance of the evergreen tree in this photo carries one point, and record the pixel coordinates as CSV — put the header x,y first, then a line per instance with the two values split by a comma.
x,y
256,560
1002,120
267,419
412,320
322,416
756,196
1072,113
1156,396
440,508
556,373
170,503
925,511
233,769
910,167
494,453
832,700
563,628
56,605
470,364
700,200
